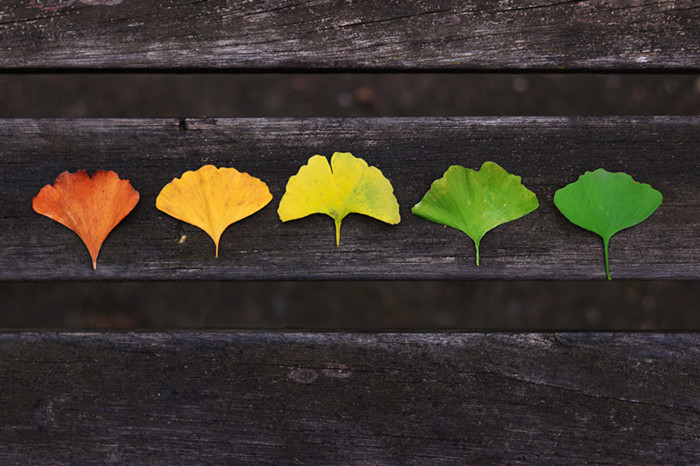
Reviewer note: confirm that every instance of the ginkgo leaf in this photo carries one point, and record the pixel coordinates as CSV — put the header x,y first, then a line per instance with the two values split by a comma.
x,y
605,203
91,207
213,198
476,201
348,185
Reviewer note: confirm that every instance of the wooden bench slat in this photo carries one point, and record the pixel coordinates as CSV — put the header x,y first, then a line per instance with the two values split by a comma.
x,y
280,398
412,152
355,35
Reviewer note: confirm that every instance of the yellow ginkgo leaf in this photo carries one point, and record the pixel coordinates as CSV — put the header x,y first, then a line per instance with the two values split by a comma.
x,y
348,185
213,198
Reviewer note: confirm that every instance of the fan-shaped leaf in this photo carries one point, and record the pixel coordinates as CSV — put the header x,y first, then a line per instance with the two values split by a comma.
x,y
347,185
91,207
476,201
605,203
213,198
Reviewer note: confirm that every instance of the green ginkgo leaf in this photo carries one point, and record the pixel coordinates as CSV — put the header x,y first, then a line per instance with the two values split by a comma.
x,y
476,201
605,203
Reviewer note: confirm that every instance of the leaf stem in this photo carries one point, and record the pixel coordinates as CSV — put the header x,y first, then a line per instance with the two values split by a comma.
x,y
607,264
337,231
216,243
476,243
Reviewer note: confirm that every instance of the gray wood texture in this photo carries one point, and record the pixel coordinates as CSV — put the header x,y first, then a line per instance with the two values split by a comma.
x,y
351,34
411,152
276,398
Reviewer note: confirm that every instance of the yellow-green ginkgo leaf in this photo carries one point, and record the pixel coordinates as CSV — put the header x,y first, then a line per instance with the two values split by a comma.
x,y
346,185
213,198
476,201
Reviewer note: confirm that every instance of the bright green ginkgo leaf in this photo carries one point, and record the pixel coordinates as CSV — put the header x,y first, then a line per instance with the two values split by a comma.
x,y
606,203
348,185
476,201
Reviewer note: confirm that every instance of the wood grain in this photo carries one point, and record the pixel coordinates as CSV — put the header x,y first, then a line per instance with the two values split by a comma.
x,y
351,35
412,152
276,398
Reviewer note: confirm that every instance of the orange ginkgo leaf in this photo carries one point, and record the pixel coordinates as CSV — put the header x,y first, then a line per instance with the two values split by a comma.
x,y
91,207
213,198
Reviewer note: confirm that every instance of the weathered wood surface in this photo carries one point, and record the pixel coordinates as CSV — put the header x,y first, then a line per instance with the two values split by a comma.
x,y
351,35
547,152
264,398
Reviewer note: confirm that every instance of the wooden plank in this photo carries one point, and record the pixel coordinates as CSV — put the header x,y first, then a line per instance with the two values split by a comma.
x,y
357,35
547,152
277,398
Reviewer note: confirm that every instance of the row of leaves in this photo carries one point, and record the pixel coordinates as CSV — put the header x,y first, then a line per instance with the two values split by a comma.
x,y
472,201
